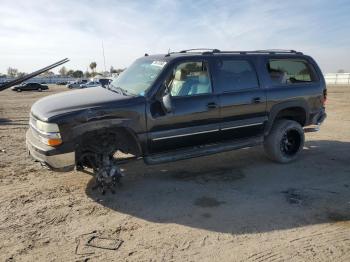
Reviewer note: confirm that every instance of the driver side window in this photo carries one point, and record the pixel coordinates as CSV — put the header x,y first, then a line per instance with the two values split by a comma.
x,y
189,78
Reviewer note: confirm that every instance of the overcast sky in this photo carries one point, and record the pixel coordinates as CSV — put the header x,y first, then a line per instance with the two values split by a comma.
x,y
36,33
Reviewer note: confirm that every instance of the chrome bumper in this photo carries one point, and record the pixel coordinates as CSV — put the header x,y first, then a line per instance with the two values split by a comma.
x,y
49,156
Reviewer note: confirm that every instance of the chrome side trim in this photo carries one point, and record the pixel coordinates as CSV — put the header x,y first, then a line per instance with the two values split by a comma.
x,y
189,134
203,132
234,127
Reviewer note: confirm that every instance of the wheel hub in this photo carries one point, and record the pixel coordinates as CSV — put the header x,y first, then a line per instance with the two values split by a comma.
x,y
290,142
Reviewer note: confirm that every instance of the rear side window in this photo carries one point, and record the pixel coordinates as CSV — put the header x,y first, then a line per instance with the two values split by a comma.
x,y
290,71
233,75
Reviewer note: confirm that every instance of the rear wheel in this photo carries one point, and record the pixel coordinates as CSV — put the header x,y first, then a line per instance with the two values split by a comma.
x,y
285,141
19,90
39,89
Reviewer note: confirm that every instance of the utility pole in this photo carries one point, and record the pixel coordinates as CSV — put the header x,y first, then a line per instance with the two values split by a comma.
x,y
104,58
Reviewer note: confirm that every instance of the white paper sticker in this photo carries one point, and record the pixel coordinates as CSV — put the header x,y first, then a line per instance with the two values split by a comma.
x,y
158,63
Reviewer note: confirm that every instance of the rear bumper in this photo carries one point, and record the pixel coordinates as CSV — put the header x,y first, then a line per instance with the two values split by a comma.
x,y
316,121
51,157
319,117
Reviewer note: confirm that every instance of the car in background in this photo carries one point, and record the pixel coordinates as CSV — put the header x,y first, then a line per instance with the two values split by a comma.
x,y
90,84
62,83
105,81
76,84
30,87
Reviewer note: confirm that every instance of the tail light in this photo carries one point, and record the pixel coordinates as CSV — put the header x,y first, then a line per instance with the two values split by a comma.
x,y
324,96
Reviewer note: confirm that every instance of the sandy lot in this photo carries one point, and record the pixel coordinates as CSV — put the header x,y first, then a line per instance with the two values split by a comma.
x,y
234,206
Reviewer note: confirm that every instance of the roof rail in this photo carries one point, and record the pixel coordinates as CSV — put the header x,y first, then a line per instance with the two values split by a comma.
x,y
267,51
200,49
207,51
281,51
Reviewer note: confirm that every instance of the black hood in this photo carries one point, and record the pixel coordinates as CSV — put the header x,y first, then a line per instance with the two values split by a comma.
x,y
76,100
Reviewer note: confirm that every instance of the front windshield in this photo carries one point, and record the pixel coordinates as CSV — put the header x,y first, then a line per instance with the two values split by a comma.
x,y
136,79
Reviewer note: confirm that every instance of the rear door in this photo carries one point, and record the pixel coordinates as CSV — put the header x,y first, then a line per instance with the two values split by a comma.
x,y
242,100
194,119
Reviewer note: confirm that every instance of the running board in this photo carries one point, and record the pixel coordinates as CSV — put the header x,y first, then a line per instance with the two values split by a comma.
x,y
202,151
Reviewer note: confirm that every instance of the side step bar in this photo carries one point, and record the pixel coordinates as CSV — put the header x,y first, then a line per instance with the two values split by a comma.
x,y
202,151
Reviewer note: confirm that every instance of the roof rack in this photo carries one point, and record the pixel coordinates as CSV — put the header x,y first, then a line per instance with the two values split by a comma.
x,y
206,51
196,50
200,49
267,51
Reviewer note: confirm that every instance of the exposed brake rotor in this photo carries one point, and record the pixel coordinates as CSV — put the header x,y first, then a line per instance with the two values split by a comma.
x,y
107,173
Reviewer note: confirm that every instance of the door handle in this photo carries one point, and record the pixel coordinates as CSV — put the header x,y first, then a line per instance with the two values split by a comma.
x,y
256,100
212,105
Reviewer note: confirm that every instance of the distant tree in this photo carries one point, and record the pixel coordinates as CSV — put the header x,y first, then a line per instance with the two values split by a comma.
x,y
20,74
70,73
48,74
341,71
78,74
112,70
87,74
12,72
120,70
93,66
63,71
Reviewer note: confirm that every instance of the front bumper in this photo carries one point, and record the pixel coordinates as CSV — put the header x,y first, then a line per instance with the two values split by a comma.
x,y
54,158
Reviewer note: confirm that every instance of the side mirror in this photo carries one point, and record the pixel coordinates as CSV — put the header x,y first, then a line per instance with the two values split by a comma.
x,y
166,101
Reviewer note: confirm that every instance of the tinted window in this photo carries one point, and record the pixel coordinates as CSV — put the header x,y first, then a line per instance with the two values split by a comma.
x,y
232,75
289,71
189,78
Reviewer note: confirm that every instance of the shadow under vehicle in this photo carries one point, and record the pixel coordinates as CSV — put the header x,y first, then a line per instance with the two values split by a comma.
x,y
239,192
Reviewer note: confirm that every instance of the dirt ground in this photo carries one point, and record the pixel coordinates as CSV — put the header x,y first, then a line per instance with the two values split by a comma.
x,y
235,206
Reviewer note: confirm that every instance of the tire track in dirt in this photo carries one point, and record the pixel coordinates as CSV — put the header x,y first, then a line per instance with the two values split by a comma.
x,y
332,242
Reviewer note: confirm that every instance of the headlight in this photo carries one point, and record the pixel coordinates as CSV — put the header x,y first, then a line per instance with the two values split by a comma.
x,y
47,127
49,133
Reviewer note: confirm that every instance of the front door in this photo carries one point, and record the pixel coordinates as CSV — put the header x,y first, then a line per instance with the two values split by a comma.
x,y
194,116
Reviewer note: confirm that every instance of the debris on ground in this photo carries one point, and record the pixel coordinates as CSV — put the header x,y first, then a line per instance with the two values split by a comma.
x,y
293,196
89,243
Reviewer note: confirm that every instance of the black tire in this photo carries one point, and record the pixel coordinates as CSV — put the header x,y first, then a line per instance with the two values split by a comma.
x,y
19,90
39,89
285,141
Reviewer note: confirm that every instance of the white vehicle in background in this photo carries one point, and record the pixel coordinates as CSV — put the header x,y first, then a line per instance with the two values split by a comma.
x,y
76,84
90,84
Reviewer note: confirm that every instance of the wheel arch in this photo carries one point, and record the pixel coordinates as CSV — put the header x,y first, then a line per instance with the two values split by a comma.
x,y
124,135
293,110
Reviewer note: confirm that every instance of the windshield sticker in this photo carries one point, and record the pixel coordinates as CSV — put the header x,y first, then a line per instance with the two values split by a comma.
x,y
158,63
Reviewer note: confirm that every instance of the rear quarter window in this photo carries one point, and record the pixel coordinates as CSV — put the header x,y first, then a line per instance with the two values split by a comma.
x,y
290,71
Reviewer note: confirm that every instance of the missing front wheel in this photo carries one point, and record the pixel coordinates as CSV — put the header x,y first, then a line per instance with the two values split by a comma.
x,y
105,169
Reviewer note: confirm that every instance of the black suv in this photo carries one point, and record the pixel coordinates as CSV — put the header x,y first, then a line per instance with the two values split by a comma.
x,y
181,105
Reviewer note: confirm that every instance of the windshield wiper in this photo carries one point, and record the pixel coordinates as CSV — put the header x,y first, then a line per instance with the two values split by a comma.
x,y
123,91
